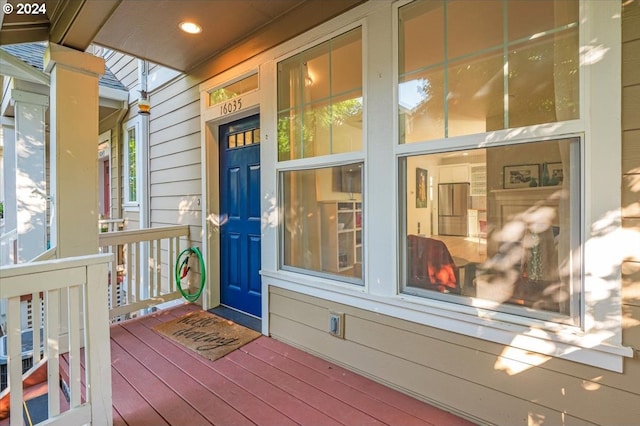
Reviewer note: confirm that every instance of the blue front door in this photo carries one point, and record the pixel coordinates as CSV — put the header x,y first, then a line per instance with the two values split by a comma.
x,y
240,240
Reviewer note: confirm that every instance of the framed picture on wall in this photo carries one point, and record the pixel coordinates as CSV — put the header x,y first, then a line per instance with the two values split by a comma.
x,y
422,185
521,176
555,173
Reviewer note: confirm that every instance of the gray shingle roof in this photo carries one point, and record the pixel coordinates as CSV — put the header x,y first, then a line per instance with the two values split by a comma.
x,y
32,54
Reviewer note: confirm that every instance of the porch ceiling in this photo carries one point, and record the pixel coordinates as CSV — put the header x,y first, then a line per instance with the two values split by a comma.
x,y
148,29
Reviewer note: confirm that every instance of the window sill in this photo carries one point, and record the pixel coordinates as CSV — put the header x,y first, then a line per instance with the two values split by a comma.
x,y
564,342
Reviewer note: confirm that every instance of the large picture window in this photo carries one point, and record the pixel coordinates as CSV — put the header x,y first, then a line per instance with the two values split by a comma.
x,y
500,229
320,108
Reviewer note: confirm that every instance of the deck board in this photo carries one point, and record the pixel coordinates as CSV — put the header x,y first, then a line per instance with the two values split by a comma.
x,y
334,407
158,382
377,408
194,365
425,412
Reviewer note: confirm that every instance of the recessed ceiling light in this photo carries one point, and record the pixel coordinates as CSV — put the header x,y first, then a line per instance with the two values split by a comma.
x,y
190,27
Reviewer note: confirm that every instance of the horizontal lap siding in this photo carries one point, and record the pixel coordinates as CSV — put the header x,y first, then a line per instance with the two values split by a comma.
x,y
125,68
174,155
168,158
479,378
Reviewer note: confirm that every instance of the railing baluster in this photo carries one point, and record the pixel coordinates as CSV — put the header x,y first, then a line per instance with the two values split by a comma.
x,y
138,273
158,267
14,353
53,347
146,287
36,323
150,267
79,283
113,249
171,256
129,273
75,379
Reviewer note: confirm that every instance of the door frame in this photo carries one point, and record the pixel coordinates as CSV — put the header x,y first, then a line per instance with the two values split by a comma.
x,y
259,101
211,201
245,157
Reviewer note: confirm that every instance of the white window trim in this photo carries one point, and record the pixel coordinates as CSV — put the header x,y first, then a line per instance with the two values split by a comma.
x,y
601,344
130,206
325,161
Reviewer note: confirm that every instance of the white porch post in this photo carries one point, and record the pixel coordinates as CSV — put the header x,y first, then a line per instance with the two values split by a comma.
x,y
74,132
10,202
9,155
30,178
144,195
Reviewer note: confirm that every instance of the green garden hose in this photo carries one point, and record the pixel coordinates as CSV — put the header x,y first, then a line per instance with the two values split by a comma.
x,y
183,268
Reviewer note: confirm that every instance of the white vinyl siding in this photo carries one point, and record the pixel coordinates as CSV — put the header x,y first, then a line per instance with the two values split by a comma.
x,y
174,156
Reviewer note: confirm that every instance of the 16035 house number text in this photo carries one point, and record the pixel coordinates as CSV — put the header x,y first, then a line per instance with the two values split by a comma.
x,y
231,106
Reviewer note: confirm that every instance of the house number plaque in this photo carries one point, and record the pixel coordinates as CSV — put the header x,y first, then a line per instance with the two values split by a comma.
x,y
231,106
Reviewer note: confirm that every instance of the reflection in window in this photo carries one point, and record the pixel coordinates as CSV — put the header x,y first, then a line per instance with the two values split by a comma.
x,y
234,89
320,99
131,169
463,71
510,243
322,226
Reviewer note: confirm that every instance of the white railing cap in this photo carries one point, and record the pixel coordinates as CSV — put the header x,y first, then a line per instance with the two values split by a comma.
x,y
55,264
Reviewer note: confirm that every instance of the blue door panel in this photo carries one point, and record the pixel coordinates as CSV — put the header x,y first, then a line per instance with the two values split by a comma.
x,y
253,172
240,233
234,250
255,284
233,192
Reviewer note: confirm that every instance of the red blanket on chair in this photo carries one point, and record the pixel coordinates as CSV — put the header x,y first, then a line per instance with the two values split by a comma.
x,y
430,264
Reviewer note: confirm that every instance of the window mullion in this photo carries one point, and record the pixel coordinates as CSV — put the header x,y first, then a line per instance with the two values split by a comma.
x,y
445,72
505,57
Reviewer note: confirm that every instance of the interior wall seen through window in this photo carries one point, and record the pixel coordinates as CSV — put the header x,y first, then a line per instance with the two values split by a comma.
x,y
322,222
496,226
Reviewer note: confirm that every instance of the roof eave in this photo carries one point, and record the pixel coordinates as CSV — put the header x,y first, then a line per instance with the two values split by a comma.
x,y
16,68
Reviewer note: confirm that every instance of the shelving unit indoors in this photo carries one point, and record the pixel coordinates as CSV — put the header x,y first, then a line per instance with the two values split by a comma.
x,y
342,237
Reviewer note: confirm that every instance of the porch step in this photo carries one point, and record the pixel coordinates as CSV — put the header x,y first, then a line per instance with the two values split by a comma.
x,y
36,410
30,393
35,387
36,404
32,379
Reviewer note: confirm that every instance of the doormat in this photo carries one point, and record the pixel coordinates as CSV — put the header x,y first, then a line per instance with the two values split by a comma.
x,y
206,334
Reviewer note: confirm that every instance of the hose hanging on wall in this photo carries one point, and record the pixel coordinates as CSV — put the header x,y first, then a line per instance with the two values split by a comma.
x,y
183,270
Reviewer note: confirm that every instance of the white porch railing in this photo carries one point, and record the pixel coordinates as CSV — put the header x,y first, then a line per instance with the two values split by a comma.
x,y
142,275
79,282
8,247
110,225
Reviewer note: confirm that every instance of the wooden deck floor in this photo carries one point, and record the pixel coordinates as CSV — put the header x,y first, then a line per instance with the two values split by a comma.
x,y
157,382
